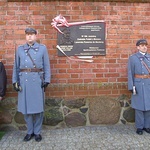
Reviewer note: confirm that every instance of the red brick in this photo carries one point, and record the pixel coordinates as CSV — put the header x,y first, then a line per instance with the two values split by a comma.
x,y
87,76
74,76
75,80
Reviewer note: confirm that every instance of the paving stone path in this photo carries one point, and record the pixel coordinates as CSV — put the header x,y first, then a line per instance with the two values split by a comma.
x,y
113,137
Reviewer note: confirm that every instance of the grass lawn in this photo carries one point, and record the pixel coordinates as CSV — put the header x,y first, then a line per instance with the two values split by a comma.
x,y
1,134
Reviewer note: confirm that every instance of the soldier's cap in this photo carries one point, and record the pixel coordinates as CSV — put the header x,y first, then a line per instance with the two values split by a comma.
x,y
30,30
141,41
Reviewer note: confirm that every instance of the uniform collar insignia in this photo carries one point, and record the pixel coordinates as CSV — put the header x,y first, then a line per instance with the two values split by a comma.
x,y
35,47
141,58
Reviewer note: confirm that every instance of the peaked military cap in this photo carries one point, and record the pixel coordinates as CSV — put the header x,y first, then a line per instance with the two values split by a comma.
x,y
141,41
30,30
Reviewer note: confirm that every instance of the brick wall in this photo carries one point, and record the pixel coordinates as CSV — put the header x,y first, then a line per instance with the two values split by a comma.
x,y
107,75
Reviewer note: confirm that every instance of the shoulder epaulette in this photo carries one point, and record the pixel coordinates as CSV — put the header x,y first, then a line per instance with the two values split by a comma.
x,y
20,46
132,55
42,45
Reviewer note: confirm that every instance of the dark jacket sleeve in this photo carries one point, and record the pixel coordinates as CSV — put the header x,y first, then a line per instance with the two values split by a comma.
x,y
3,80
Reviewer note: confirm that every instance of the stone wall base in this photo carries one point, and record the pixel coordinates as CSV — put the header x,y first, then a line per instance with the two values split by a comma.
x,y
63,113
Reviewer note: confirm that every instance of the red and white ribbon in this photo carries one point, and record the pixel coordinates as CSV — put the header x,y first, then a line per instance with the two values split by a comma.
x,y
61,21
86,60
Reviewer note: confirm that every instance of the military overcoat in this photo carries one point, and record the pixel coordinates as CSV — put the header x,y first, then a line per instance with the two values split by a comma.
x,y
3,79
141,100
31,97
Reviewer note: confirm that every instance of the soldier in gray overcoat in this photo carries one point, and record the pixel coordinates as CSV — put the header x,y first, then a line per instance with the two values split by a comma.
x,y
139,85
31,75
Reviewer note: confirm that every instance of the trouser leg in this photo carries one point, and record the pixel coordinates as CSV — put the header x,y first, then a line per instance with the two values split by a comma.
x,y
147,119
29,121
139,119
38,120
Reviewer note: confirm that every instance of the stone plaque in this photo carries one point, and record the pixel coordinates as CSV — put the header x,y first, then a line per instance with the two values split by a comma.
x,y
82,40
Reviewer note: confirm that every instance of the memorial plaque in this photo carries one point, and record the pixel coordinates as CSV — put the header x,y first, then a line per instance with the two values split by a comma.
x,y
82,40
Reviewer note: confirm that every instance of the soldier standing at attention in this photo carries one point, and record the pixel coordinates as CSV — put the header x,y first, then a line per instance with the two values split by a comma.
x,y
3,80
139,85
31,75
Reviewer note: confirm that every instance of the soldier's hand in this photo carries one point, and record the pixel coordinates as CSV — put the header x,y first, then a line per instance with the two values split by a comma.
x,y
44,84
17,87
131,91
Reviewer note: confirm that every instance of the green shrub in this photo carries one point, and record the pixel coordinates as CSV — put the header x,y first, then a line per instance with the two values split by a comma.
x,y
1,134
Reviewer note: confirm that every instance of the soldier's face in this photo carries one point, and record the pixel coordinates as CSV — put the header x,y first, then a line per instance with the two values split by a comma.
x,y
142,48
30,38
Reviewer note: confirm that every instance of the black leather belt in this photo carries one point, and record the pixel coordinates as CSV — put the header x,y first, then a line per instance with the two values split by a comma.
x,y
31,70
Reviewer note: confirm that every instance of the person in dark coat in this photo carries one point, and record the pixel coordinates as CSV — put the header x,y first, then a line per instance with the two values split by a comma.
x,y
3,80
139,85
31,75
